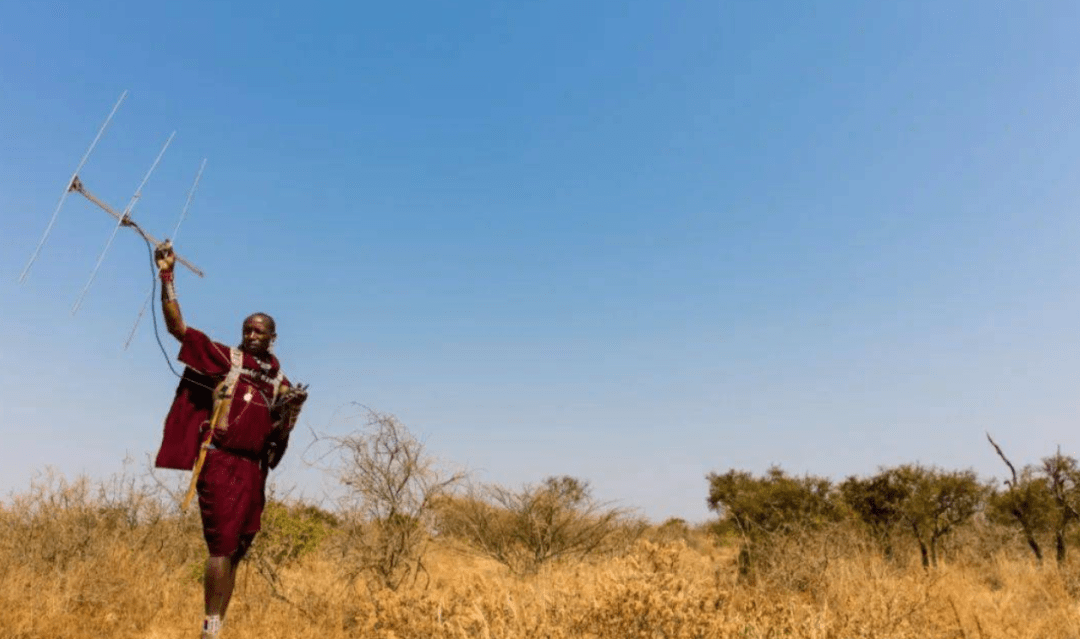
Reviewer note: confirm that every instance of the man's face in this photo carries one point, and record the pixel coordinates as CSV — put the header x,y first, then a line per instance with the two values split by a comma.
x,y
257,335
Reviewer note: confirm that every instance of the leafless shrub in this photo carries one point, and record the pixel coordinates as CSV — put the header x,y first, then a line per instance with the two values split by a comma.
x,y
391,485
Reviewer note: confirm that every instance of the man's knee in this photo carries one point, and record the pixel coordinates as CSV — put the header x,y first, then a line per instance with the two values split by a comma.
x,y
242,547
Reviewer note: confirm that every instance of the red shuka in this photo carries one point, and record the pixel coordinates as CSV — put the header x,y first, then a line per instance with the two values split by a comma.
x,y
249,421
232,483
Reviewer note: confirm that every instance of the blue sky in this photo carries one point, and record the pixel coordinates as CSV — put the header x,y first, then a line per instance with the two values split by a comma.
x,y
633,242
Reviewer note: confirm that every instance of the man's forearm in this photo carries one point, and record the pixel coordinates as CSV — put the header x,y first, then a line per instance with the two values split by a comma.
x,y
170,307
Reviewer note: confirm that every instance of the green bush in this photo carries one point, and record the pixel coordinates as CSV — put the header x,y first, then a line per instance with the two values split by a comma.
x,y
527,528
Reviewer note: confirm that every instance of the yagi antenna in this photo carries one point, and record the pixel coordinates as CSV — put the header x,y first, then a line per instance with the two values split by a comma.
x,y
122,219
172,238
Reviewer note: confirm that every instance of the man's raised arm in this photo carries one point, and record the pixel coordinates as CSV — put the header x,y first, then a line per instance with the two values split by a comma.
x,y
170,308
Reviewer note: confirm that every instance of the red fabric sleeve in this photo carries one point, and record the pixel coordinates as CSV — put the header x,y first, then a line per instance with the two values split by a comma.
x,y
207,362
190,409
203,354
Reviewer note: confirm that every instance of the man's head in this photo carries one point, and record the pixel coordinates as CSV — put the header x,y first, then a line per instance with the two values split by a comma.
x,y
258,334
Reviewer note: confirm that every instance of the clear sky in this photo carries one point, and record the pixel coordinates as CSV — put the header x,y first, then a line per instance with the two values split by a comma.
x,y
632,242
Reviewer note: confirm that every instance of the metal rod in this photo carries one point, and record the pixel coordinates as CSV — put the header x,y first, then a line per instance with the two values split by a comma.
x,y
131,223
125,220
145,305
67,187
190,196
176,231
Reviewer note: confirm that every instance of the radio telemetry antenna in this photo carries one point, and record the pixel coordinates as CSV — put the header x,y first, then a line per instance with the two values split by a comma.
x,y
75,184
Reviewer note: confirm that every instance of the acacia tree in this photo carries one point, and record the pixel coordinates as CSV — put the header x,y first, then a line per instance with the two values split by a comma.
x,y
878,502
1026,501
1041,499
776,503
1062,475
937,502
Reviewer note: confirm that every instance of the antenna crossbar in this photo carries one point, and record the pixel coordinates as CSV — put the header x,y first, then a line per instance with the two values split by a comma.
x,y
125,220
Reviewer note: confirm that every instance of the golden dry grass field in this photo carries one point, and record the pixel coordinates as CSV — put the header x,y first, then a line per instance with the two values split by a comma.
x,y
81,560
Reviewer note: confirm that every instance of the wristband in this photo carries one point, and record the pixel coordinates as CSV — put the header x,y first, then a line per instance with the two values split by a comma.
x,y
166,276
169,289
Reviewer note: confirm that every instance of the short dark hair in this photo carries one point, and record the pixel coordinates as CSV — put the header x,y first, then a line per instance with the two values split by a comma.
x,y
265,316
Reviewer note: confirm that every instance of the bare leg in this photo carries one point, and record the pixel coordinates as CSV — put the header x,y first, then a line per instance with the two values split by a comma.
x,y
218,586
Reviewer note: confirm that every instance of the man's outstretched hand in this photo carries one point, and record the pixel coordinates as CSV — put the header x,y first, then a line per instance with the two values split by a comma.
x,y
164,256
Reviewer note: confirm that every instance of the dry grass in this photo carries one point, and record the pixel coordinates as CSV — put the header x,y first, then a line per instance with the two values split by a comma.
x,y
80,560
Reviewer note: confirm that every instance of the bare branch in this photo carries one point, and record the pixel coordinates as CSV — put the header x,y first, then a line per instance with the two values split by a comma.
x,y
1005,459
392,484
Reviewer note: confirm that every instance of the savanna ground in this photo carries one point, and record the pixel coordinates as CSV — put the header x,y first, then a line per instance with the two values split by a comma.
x,y
115,559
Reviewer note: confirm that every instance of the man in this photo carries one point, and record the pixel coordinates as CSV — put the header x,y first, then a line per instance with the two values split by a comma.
x,y
229,423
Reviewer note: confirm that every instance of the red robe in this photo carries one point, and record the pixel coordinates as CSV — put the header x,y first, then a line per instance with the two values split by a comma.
x,y
232,483
250,421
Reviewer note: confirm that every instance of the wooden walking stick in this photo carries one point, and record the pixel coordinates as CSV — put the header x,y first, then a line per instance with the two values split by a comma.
x,y
223,400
